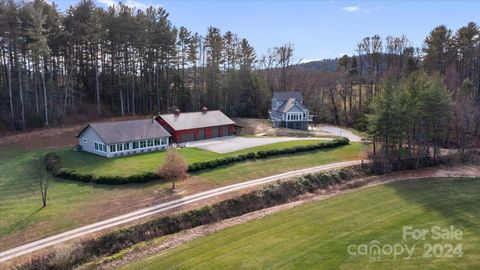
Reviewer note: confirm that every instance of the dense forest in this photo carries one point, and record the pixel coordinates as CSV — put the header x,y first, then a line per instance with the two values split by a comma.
x,y
89,62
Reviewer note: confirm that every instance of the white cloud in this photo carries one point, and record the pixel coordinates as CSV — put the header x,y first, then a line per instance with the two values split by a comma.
x,y
359,9
303,61
351,8
107,2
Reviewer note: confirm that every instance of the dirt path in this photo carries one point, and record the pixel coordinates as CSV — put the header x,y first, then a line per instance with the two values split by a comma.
x,y
172,241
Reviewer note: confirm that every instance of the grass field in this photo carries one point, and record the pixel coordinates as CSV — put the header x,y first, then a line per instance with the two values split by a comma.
x,y
83,162
72,204
317,235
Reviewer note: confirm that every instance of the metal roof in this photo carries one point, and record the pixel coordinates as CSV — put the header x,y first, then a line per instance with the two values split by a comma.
x,y
287,95
191,120
125,131
289,104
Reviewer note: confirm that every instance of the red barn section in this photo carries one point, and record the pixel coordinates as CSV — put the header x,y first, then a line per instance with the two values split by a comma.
x,y
193,126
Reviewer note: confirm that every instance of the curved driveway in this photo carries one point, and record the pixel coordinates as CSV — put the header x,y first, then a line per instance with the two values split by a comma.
x,y
159,208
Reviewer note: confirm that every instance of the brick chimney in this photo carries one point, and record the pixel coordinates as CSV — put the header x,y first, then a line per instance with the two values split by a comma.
x,y
204,109
176,112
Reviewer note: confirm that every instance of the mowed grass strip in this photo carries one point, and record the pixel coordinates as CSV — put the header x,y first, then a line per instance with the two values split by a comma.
x,y
253,169
317,235
72,204
83,162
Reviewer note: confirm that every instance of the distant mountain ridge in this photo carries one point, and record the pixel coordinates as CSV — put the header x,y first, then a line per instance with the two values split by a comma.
x,y
327,65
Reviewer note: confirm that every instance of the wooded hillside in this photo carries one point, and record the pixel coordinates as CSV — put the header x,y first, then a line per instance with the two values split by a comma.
x,y
89,62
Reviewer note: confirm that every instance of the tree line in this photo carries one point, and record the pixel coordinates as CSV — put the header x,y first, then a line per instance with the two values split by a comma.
x,y
89,62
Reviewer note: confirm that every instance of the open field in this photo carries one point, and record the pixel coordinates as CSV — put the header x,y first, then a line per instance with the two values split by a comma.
x,y
72,204
317,235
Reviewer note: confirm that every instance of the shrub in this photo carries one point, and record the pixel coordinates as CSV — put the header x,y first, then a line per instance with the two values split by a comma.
x,y
54,164
271,195
264,154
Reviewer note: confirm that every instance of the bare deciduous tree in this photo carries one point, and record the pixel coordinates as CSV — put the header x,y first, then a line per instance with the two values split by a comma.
x,y
173,168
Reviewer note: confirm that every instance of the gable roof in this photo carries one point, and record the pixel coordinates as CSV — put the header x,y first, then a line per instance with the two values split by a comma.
x,y
125,131
192,120
289,104
287,95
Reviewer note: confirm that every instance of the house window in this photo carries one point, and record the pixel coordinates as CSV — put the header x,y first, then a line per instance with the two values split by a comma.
x,y
156,142
126,146
150,143
143,144
100,147
84,140
112,148
164,141
120,147
135,145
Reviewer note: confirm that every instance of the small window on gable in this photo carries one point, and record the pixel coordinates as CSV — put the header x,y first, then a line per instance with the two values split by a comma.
x,y
84,140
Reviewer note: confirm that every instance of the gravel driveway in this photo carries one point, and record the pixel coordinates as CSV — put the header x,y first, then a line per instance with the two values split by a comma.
x,y
229,144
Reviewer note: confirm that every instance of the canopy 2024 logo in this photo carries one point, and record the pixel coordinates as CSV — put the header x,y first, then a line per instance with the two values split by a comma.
x,y
438,242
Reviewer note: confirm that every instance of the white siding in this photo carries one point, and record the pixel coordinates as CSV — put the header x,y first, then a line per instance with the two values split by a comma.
x,y
88,138
87,141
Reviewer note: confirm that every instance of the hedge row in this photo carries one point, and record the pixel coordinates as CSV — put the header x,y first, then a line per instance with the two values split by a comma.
x,y
264,154
274,194
54,164
381,166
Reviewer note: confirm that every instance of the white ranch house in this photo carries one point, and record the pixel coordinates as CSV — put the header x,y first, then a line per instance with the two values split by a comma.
x,y
113,139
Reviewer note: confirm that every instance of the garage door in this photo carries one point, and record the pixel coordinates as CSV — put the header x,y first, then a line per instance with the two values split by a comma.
x,y
201,134
215,132
225,131
187,137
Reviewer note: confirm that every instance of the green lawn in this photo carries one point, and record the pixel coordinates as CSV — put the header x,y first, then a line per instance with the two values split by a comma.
x,y
265,167
83,162
72,204
317,235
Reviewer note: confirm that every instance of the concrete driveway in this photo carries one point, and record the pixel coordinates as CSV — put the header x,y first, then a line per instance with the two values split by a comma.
x,y
229,144
336,131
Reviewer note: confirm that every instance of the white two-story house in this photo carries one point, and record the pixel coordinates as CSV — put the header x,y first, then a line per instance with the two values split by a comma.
x,y
288,110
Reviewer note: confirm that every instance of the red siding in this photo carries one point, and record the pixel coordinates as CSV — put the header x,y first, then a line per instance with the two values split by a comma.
x,y
177,134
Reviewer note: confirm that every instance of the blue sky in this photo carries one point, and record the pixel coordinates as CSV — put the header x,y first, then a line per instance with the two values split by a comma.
x,y
318,29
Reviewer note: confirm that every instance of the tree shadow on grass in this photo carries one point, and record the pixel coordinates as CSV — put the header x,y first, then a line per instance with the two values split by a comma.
x,y
456,199
23,222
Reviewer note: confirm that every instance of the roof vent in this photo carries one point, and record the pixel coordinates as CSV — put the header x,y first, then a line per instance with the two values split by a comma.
x,y
176,112
204,110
